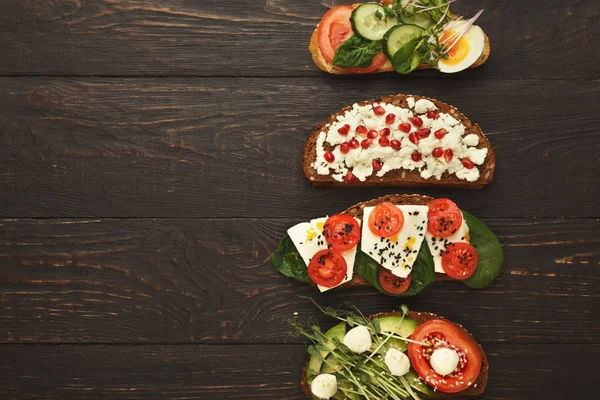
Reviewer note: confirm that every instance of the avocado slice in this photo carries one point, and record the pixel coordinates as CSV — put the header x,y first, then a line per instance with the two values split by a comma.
x,y
314,365
403,327
418,384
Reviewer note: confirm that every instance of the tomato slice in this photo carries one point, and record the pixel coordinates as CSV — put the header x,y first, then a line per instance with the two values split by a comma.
x,y
341,232
460,260
386,220
334,29
392,283
440,333
443,218
327,268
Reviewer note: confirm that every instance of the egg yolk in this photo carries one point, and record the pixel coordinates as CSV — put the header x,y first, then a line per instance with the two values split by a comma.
x,y
458,52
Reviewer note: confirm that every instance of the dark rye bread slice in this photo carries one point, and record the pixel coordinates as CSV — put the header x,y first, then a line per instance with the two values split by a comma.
x,y
325,66
476,389
403,178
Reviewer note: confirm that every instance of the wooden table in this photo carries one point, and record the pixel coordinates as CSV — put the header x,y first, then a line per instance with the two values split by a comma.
x,y
150,161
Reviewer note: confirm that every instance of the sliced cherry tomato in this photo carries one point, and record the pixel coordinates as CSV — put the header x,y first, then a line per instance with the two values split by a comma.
x,y
392,283
460,260
341,232
444,217
327,268
334,29
386,220
440,333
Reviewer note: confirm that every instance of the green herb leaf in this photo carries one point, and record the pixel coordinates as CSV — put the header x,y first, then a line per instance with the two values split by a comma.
x,y
489,251
389,12
403,60
379,14
376,325
287,260
313,351
356,52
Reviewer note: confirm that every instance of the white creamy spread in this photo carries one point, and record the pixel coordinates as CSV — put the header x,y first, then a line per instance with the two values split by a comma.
x,y
360,161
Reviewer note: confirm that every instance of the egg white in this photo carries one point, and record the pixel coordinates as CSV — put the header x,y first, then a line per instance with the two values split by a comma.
x,y
476,40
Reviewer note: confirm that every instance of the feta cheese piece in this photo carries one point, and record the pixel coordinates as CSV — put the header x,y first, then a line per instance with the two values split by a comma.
x,y
358,339
444,361
324,386
397,362
424,105
471,140
437,245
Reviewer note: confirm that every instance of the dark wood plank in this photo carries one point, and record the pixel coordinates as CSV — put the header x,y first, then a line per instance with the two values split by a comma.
x,y
252,38
256,371
231,147
210,281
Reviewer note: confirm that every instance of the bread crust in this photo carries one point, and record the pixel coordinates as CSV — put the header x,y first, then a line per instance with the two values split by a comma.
x,y
401,177
325,66
476,389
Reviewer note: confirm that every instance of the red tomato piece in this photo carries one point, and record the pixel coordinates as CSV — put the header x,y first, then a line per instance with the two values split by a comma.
x,y
327,268
444,218
392,283
335,28
460,260
341,232
386,220
441,333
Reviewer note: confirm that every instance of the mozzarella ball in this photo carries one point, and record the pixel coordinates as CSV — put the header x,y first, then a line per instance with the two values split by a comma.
x,y
324,386
397,362
358,339
444,361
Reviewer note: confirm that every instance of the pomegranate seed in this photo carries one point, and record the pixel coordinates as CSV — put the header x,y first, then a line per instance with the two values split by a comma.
x,y
440,133
345,148
366,143
329,157
467,163
416,121
372,134
349,177
379,110
390,118
376,165
361,129
354,144
385,132
416,156
423,132
395,144
448,155
384,142
413,137
404,127
433,114
437,152
344,130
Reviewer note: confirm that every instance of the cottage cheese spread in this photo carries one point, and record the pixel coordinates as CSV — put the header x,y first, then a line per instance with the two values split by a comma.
x,y
360,160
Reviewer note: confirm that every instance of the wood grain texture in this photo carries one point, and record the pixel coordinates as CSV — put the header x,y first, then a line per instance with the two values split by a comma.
x,y
256,371
171,281
171,147
266,38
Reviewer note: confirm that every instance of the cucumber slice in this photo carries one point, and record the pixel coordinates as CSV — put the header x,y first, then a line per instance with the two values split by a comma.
x,y
371,21
410,15
398,36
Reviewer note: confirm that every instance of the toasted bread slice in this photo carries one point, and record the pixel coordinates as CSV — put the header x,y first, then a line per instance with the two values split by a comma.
x,y
325,66
476,389
401,177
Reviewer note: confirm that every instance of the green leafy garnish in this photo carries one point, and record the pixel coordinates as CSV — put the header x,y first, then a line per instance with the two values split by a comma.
x,y
287,260
356,53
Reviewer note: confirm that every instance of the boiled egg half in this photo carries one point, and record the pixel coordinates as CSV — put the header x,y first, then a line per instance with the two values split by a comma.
x,y
465,50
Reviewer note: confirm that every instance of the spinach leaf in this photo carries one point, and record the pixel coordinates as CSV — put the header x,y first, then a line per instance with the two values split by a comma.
x,y
356,52
407,58
423,272
491,255
287,260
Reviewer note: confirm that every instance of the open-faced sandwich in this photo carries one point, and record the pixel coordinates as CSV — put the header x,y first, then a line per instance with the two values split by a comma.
x,y
400,35
401,141
398,355
398,243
